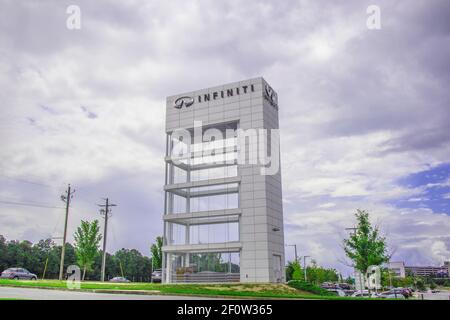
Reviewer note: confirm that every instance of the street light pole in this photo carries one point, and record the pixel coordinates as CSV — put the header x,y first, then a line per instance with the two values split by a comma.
x,y
295,250
304,266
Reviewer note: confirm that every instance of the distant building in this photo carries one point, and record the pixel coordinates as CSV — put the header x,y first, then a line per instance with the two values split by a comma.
x,y
397,269
428,271
400,270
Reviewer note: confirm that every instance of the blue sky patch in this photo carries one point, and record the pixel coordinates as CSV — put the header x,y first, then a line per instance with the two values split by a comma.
x,y
436,184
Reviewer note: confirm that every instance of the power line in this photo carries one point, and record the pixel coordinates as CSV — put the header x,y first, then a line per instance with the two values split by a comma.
x,y
113,234
30,204
26,181
27,201
58,219
57,186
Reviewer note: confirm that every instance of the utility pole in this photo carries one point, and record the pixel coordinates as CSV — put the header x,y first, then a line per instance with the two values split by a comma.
x,y
105,212
121,268
65,198
304,265
45,268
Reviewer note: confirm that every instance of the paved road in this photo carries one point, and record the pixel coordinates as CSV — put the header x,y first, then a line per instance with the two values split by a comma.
x,y
44,294
443,295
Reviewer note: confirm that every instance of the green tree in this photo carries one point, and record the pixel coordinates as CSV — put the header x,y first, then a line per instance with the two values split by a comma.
x,y
420,284
156,250
319,275
135,266
365,247
290,270
349,280
87,240
389,278
54,256
34,257
208,262
297,273
314,273
111,267
41,251
3,253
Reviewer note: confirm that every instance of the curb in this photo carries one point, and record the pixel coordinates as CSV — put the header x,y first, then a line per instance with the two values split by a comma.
x,y
156,292
112,291
135,292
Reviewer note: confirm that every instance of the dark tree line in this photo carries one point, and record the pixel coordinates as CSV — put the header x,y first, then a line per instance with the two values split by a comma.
x,y
34,257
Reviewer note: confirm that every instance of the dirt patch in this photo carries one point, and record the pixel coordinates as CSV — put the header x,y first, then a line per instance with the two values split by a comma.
x,y
278,288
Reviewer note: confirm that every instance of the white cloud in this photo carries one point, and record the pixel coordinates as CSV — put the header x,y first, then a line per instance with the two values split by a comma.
x,y
326,205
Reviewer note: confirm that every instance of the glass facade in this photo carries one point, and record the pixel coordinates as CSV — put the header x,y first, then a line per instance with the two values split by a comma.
x,y
203,233
206,267
222,190
217,197
200,215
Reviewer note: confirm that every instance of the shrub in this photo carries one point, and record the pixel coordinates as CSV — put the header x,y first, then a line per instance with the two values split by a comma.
x,y
440,281
309,287
433,285
420,285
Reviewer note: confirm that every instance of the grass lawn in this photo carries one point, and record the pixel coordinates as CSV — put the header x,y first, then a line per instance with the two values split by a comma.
x,y
226,290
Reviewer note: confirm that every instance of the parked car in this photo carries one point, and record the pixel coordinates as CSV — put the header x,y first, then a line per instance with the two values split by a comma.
x,y
391,295
400,291
338,292
349,293
157,275
409,291
337,286
435,291
364,294
119,279
344,286
328,285
18,273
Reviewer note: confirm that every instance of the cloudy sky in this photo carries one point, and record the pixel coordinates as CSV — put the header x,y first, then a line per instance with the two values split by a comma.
x,y
364,114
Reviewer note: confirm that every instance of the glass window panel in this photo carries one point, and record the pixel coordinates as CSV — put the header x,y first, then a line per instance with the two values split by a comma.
x,y
178,234
221,262
179,204
214,233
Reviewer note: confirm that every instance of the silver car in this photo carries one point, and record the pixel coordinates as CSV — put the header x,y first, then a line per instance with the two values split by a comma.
x,y
119,279
18,273
157,275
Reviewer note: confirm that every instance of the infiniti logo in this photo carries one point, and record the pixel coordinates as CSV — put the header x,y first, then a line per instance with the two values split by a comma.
x,y
183,102
271,95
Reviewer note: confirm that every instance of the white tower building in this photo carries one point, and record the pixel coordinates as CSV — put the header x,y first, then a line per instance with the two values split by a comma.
x,y
223,214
